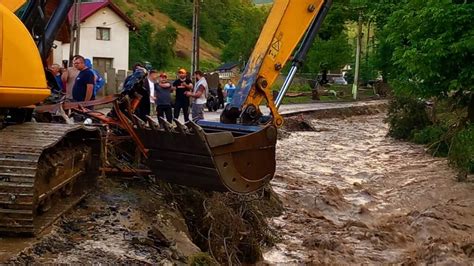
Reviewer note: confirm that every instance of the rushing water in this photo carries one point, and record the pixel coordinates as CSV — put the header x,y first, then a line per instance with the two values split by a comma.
x,y
354,195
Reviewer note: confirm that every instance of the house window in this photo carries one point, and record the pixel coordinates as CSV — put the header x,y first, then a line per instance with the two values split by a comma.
x,y
103,34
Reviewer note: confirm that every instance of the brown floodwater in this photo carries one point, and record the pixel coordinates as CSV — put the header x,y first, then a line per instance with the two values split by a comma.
x,y
354,195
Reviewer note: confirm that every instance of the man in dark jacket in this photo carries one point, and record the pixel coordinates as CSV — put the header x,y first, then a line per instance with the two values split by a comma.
x,y
181,85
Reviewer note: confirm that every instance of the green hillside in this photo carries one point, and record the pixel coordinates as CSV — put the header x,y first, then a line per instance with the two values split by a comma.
x,y
229,28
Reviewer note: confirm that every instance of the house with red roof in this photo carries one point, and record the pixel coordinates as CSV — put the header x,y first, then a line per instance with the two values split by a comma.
x,y
104,35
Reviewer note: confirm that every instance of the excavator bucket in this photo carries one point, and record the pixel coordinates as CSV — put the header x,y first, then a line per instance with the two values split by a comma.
x,y
235,158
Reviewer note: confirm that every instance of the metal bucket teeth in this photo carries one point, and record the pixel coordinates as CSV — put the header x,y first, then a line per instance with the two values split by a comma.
x,y
165,124
152,123
209,158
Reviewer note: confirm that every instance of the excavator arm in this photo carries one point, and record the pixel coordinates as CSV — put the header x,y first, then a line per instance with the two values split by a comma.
x,y
285,27
238,154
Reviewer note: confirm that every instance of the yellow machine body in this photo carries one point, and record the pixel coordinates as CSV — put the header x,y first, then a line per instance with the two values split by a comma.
x,y
22,78
286,24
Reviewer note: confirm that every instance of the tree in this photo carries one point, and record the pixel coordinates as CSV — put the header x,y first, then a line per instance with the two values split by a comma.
x,y
433,48
151,46
328,54
331,50
140,43
244,35
162,48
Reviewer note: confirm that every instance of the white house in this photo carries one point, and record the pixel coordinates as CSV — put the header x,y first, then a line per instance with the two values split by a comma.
x,y
104,36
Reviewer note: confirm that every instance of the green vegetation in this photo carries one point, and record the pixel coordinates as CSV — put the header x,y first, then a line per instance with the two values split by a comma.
x,y
233,25
153,46
425,51
461,153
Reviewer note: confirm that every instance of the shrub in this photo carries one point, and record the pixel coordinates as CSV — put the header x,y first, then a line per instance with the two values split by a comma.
x,y
461,153
406,116
436,137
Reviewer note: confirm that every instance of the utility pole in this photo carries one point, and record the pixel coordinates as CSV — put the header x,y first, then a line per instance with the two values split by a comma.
x,y
355,86
195,55
75,31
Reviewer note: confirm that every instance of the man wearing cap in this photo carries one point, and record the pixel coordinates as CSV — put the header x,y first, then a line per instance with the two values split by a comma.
x,y
163,98
182,85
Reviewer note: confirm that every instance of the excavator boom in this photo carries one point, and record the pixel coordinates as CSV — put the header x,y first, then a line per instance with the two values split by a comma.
x,y
286,25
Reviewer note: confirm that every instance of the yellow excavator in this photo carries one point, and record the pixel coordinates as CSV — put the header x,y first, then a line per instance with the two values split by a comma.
x,y
46,168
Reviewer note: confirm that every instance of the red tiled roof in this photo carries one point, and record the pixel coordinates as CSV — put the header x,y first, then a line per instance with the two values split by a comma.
x,y
89,9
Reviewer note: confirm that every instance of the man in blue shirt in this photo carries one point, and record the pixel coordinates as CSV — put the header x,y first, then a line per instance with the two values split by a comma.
x,y
229,90
83,89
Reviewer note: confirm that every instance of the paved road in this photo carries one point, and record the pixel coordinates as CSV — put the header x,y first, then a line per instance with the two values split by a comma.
x,y
289,109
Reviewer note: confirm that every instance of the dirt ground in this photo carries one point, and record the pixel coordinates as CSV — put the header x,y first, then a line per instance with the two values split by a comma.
x,y
353,195
120,223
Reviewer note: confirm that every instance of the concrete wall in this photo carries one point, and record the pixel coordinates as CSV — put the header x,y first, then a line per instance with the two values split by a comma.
x,y
116,48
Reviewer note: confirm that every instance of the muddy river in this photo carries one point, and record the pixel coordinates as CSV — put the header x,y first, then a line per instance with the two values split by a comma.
x,y
352,195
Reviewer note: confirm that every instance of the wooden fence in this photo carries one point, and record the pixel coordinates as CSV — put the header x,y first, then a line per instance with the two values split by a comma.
x,y
113,81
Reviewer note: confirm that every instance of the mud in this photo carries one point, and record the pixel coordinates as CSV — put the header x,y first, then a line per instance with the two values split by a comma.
x,y
147,221
231,228
120,223
353,195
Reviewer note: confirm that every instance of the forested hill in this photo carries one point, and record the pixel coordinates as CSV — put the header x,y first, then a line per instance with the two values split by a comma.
x,y
229,28
158,20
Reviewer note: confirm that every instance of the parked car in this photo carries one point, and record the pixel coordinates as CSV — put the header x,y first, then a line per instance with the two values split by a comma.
x,y
339,81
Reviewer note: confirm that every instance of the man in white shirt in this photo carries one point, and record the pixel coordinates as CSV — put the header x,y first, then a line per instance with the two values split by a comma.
x,y
152,80
144,108
198,96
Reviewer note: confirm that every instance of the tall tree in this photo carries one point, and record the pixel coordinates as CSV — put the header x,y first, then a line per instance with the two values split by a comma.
x,y
331,50
433,48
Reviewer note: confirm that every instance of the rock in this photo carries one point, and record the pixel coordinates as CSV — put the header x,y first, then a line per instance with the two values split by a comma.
x,y
143,241
158,237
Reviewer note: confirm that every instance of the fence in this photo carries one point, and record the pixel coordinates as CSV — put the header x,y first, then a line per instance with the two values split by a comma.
x,y
113,81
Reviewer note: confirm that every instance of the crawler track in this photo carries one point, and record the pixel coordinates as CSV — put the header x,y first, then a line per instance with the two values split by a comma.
x,y
45,169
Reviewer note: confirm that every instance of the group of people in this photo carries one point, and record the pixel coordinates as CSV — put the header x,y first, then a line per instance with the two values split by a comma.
x,y
157,95
78,83
81,83
157,91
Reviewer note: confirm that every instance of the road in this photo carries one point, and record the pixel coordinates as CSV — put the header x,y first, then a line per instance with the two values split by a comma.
x,y
289,109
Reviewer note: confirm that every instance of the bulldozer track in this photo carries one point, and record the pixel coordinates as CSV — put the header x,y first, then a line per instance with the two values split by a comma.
x,y
43,170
